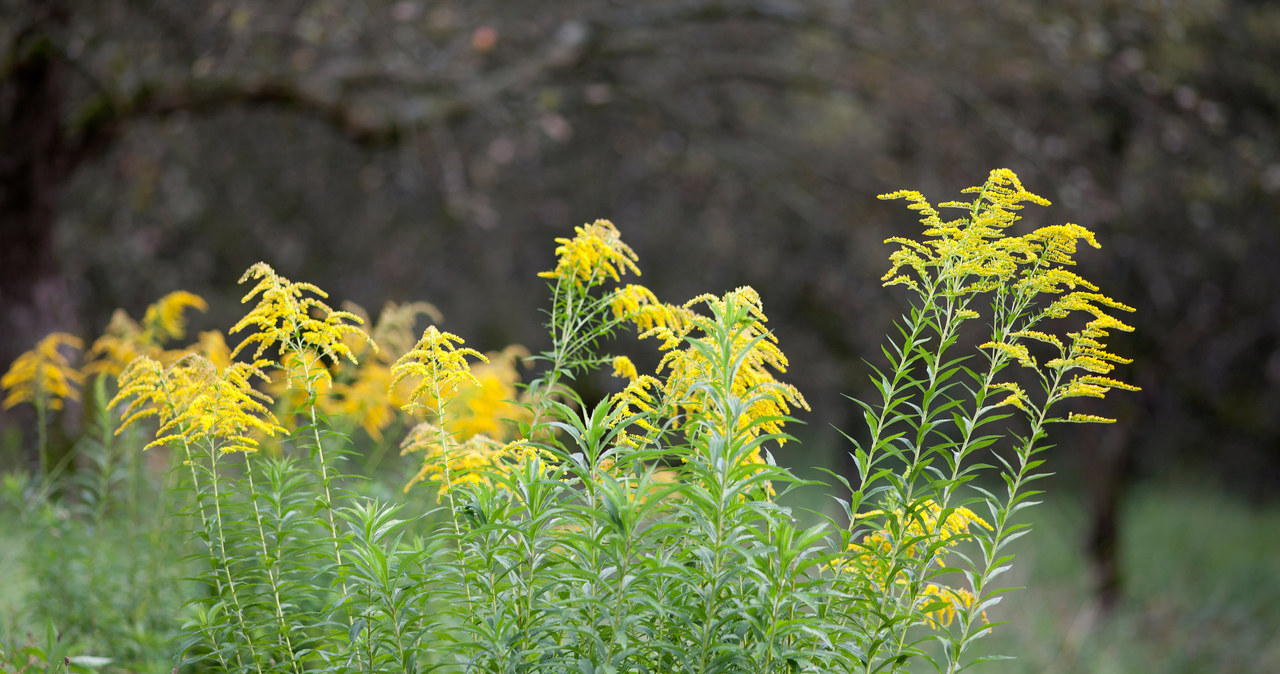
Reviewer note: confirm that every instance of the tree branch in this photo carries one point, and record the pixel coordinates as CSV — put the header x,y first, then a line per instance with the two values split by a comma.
x,y
105,116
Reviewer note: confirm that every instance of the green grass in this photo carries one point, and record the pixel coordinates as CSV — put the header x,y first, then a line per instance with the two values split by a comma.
x,y
1202,589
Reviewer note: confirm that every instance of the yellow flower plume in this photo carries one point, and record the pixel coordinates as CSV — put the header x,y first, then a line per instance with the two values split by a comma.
x,y
165,320
44,374
195,401
594,254
284,316
441,366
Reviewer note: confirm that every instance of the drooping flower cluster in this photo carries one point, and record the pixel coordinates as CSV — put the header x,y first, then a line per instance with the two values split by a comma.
x,y
491,406
689,360
594,254
975,254
44,375
196,401
968,254
920,533
450,464
294,317
125,339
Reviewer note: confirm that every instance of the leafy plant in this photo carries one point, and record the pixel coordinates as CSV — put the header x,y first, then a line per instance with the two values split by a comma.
x,y
645,532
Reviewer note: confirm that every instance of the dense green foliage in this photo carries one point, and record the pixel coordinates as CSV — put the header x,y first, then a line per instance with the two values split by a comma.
x,y
643,532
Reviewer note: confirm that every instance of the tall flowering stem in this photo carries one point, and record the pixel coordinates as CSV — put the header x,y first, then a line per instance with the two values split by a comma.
x,y
440,368
198,405
43,377
293,318
931,421
581,314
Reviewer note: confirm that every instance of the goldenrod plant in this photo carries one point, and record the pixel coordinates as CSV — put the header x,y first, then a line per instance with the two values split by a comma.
x,y
648,531
44,378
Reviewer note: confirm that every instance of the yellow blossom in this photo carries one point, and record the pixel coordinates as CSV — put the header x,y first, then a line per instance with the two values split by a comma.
x,y
1015,351
638,305
1017,397
284,316
450,464
921,532
490,404
44,375
120,344
164,320
969,254
440,366
394,332
624,368
196,401
1077,418
213,345
594,254
954,599
367,399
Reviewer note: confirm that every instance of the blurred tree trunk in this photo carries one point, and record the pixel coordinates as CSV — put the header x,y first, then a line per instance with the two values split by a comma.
x,y
35,160
1108,464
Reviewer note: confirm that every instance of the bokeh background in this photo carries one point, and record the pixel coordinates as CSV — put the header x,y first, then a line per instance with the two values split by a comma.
x,y
414,150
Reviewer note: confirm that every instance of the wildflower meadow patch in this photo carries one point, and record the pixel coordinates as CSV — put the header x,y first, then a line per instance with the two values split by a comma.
x,y
647,531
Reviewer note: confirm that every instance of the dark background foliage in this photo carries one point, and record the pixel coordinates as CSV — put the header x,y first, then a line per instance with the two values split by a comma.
x,y
431,150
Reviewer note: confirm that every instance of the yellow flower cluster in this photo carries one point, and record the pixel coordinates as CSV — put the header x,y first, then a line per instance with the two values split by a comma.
x,y
491,405
166,319
754,348
920,531
196,401
125,340
595,253
973,254
366,394
440,366
690,361
451,464
479,405
43,375
969,254
638,305
922,534
952,599
283,317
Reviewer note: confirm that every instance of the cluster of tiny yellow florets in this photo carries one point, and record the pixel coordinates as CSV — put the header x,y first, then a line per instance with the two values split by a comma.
x,y
492,405
439,366
196,401
284,317
689,360
363,394
449,463
44,375
687,363
922,533
594,254
125,339
975,254
637,305
968,254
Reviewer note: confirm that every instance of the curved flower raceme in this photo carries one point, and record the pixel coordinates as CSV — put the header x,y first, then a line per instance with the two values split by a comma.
x,y
125,339
44,374
922,533
440,366
975,254
473,461
196,401
593,255
295,317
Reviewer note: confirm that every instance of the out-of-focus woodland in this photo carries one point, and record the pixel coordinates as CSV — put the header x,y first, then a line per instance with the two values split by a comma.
x,y
414,150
